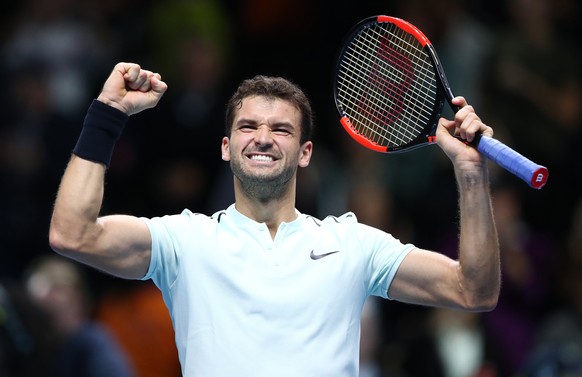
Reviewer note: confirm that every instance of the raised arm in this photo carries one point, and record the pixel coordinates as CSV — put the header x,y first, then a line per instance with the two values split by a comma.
x,y
119,244
473,281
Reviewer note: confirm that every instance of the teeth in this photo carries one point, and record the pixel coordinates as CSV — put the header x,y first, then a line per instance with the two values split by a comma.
x,y
258,157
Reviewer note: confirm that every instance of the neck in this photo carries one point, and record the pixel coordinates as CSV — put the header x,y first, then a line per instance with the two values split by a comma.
x,y
272,211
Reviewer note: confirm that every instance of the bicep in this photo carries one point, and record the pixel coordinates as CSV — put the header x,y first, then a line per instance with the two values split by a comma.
x,y
427,278
121,247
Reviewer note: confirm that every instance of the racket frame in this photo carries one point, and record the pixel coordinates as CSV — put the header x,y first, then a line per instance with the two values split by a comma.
x,y
444,92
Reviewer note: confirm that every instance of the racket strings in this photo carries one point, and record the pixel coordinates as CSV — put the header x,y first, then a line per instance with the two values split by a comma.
x,y
387,85
397,89
391,85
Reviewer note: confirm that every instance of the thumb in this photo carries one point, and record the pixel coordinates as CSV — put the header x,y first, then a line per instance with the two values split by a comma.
x,y
444,126
158,86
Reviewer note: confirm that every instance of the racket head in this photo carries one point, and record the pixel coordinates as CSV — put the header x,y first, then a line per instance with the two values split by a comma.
x,y
388,87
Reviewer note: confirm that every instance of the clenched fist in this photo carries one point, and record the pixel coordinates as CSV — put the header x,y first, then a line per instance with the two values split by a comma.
x,y
132,89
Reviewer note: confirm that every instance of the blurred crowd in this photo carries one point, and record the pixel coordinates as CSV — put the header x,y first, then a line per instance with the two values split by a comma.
x,y
516,61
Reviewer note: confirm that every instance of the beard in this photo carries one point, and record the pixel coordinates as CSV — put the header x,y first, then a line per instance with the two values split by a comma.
x,y
263,186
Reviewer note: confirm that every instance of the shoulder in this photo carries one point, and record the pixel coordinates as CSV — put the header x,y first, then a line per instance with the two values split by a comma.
x,y
186,221
347,226
187,216
344,227
346,219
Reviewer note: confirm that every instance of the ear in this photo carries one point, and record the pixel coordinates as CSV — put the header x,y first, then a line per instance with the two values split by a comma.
x,y
305,154
225,147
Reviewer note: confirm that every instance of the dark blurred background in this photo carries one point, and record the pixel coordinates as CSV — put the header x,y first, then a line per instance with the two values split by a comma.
x,y
516,61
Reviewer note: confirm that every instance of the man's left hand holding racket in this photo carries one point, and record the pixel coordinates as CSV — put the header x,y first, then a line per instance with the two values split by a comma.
x,y
453,137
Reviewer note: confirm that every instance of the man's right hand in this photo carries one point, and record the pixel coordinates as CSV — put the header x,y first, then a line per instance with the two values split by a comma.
x,y
132,89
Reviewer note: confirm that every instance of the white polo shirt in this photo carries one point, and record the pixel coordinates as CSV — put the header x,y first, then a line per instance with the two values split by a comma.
x,y
243,304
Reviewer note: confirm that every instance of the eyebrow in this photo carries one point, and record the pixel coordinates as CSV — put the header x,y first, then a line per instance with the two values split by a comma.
x,y
246,121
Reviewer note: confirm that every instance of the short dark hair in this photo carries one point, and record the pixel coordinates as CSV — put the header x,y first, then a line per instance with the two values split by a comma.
x,y
274,88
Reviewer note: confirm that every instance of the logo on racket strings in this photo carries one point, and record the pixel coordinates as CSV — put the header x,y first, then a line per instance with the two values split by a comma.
x,y
389,78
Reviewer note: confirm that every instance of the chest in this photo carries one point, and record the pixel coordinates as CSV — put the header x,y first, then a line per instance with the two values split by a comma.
x,y
309,271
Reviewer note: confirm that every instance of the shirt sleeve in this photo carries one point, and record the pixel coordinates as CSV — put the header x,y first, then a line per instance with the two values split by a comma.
x,y
165,256
386,253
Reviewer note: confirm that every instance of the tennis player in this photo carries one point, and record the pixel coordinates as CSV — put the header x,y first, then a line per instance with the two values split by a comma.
x,y
260,289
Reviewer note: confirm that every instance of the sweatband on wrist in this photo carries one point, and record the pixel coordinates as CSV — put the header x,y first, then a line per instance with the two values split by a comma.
x,y
102,127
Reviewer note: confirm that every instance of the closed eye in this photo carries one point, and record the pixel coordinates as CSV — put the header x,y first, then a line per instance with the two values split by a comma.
x,y
282,131
247,127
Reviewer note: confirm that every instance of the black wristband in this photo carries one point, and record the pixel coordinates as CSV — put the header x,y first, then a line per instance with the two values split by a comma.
x,y
102,127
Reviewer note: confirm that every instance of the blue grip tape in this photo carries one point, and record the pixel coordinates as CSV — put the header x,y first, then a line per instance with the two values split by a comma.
x,y
535,175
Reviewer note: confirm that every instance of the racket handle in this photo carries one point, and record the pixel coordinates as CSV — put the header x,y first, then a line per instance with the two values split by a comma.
x,y
535,175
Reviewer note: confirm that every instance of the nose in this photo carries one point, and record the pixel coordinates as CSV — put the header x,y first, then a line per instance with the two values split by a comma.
x,y
263,135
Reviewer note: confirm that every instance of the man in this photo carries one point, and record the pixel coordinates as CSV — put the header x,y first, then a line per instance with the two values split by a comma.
x,y
259,288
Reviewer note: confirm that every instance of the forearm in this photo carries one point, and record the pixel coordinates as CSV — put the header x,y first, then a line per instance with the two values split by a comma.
x,y
118,244
479,262
77,206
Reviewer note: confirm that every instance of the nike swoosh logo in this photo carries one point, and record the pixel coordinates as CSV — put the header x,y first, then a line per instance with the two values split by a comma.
x,y
314,256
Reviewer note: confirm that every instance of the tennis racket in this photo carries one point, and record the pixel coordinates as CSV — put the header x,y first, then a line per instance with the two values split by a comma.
x,y
390,89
